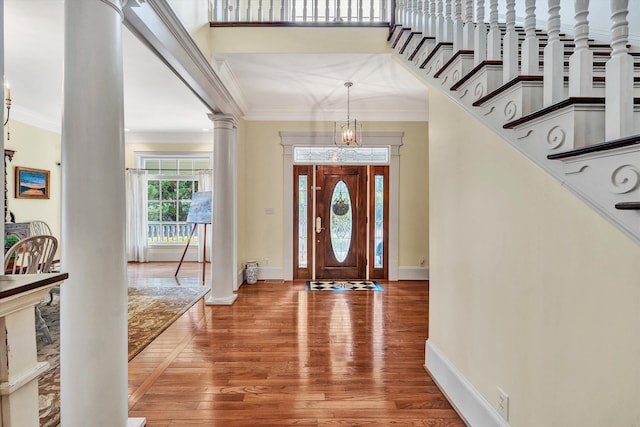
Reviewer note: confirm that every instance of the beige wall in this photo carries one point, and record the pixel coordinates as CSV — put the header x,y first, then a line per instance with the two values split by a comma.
x,y
40,149
261,180
531,290
298,40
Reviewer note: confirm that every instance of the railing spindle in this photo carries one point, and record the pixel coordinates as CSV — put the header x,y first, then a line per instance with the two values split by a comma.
x,y
433,19
510,45
458,26
581,61
480,37
326,11
468,28
439,32
553,58
448,22
494,42
530,45
249,17
619,76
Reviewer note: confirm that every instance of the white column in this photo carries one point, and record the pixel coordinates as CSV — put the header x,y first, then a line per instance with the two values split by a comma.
x,y
480,37
94,299
530,45
619,76
224,261
553,58
510,45
494,38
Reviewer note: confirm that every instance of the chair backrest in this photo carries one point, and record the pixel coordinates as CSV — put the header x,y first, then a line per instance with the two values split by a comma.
x,y
38,228
32,255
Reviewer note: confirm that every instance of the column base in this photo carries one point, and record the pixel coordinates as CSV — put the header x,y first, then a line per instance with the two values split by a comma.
x,y
220,301
136,422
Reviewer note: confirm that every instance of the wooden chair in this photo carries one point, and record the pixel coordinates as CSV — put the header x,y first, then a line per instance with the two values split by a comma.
x,y
39,228
32,255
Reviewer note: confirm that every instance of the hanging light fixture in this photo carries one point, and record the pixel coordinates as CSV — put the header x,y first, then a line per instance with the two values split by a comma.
x,y
347,133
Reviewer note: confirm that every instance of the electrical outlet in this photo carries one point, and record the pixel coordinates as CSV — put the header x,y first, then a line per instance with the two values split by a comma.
x,y
503,404
267,261
421,262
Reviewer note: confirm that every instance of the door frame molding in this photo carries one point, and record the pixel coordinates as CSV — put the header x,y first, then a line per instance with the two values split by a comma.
x,y
289,139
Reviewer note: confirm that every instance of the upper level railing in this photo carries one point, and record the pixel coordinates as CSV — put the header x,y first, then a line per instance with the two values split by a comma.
x,y
303,12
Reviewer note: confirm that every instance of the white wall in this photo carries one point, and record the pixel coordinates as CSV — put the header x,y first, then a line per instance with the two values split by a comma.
x,y
531,290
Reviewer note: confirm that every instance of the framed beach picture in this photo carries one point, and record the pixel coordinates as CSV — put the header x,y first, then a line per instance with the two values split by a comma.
x,y
32,183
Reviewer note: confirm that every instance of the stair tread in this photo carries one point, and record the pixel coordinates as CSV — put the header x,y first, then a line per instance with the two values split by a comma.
x,y
609,145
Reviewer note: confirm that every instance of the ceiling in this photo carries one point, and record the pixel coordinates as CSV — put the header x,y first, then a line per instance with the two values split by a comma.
x,y
270,86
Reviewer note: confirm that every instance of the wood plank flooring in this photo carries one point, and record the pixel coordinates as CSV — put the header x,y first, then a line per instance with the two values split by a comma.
x,y
282,356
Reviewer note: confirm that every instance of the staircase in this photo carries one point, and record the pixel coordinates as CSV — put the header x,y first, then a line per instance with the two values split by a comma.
x,y
568,103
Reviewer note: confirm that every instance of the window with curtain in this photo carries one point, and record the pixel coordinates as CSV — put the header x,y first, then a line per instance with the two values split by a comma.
x,y
170,187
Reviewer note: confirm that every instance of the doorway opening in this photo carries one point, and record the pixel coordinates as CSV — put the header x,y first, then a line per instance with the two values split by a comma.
x,y
340,222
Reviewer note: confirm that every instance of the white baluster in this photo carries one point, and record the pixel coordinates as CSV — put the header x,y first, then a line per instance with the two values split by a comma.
x,y
305,10
260,11
469,26
349,10
530,45
619,76
480,37
383,10
271,10
424,18
440,22
553,58
249,12
433,19
581,61
448,22
510,45
327,10
494,38
458,26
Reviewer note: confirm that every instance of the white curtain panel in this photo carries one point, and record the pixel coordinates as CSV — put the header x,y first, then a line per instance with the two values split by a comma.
x,y
137,243
205,183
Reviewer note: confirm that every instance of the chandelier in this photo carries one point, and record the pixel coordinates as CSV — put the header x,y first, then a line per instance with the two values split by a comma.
x,y
347,133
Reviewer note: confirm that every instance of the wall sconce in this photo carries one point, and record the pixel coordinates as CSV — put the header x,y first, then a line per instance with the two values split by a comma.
x,y
7,104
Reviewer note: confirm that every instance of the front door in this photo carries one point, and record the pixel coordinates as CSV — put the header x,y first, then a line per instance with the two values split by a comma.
x,y
340,226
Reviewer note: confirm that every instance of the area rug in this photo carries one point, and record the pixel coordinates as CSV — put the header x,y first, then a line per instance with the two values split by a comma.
x,y
343,285
151,310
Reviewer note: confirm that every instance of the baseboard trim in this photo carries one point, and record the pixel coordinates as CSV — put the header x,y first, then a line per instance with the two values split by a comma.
x,y
465,398
136,422
413,273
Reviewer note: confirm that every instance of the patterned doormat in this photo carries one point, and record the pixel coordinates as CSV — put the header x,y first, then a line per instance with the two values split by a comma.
x,y
343,285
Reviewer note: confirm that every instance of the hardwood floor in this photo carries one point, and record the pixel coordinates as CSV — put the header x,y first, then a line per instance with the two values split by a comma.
x,y
282,356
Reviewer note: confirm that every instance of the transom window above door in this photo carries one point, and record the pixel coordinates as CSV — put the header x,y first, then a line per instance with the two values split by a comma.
x,y
333,155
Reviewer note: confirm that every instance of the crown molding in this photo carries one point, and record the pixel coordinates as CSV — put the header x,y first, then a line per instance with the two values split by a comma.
x,y
168,137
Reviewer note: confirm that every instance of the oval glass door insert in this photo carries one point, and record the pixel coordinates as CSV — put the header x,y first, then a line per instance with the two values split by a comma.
x,y
340,221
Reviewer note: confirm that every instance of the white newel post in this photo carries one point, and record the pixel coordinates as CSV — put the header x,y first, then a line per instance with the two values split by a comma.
x,y
93,303
458,26
469,27
224,262
480,37
530,45
581,60
510,45
494,38
553,73
619,76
